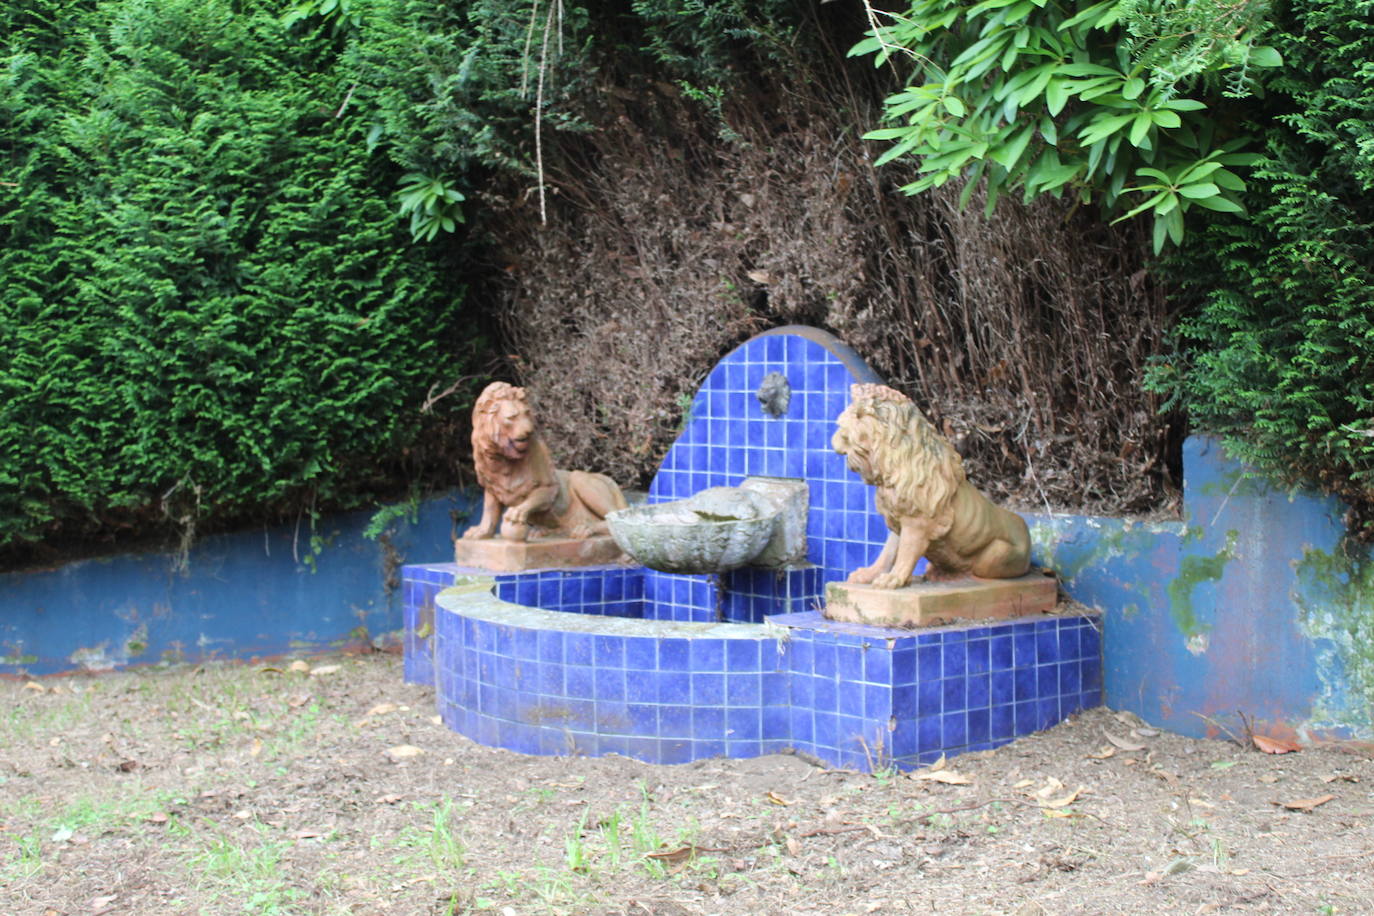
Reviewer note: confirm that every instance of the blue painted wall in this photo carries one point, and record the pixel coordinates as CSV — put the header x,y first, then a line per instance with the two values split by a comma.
x,y
241,596
1252,604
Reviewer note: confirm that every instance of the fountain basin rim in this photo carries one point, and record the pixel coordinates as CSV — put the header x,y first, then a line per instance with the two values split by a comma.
x,y
474,599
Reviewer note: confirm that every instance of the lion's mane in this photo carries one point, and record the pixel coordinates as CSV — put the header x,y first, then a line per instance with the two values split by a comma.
x,y
915,469
487,452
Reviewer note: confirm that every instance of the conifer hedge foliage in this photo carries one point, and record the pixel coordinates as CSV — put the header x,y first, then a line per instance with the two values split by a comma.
x,y
1280,355
210,306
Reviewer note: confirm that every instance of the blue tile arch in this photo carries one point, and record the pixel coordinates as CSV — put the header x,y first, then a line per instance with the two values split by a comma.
x,y
726,419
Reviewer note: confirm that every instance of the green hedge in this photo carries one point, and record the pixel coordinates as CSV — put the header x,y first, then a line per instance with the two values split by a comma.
x,y
1280,356
209,306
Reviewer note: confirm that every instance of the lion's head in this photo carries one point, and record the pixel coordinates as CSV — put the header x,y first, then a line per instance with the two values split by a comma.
x,y
502,423
888,443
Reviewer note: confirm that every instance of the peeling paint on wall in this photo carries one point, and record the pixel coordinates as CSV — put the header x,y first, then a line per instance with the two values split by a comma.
x,y
1335,594
1194,570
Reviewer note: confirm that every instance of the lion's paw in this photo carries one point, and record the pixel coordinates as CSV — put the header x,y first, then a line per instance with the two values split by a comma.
x,y
476,533
890,580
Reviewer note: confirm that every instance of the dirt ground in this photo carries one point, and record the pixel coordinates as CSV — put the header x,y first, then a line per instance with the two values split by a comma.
x,y
329,787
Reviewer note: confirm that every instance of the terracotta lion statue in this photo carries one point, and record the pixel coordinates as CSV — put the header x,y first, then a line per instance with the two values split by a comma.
x,y
523,492
930,507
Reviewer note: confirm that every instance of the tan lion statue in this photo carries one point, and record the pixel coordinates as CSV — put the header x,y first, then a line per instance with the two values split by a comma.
x,y
930,507
523,492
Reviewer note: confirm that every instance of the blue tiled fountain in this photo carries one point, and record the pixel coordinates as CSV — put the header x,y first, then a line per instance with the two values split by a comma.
x,y
669,668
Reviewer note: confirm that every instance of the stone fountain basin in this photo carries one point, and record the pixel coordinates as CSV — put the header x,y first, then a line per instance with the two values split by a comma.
x,y
714,531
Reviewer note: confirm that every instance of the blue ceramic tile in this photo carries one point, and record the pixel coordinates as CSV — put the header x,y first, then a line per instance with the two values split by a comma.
x,y
928,734
707,654
612,716
823,729
610,651
1002,722
1027,719
929,698
877,665
743,724
1047,713
1047,680
668,687
643,718
550,680
825,694
1047,643
1090,642
1000,651
708,722
672,655
877,702
1023,647
742,750
979,656
850,701
903,666
1070,677
579,649
551,646
744,690
928,662
800,726
802,689
1026,684
850,663
610,684
904,702
1091,673
641,654
979,691
954,693
708,689
615,744
979,726
774,689
953,656
642,748
579,682
774,722
675,721
1003,688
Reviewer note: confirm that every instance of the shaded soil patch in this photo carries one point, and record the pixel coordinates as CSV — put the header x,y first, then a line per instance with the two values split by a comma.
x,y
276,790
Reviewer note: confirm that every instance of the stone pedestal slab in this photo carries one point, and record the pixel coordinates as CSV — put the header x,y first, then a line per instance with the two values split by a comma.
x,y
499,555
924,604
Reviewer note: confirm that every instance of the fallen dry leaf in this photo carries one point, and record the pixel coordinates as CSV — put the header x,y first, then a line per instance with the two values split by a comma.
x,y
1063,802
793,847
256,749
307,834
1275,745
34,685
1305,804
1104,752
776,799
1023,783
404,752
948,777
157,817
298,700
1123,743
325,669
382,709
388,799
299,665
